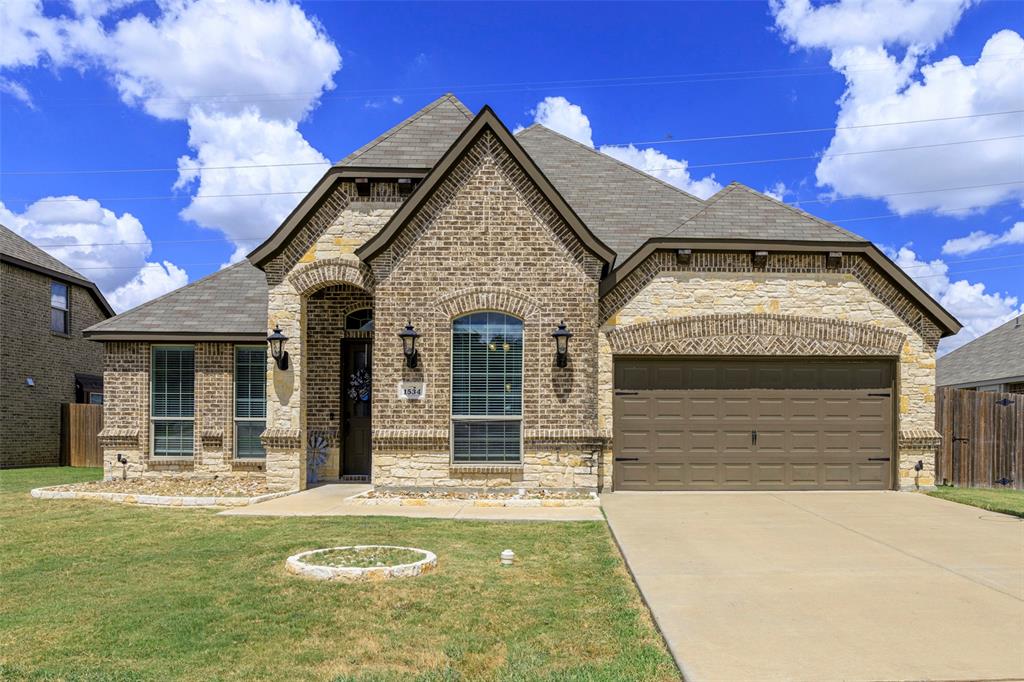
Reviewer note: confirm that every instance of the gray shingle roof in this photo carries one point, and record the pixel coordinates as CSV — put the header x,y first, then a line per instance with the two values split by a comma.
x,y
232,301
14,245
997,355
622,206
739,212
418,141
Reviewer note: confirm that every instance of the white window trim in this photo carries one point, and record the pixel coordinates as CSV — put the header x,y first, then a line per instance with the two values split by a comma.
x,y
66,309
234,405
452,418
153,420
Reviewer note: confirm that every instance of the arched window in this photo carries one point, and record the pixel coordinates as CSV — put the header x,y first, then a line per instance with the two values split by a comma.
x,y
487,388
359,320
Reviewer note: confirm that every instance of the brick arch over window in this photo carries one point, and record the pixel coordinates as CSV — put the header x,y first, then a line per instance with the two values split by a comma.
x,y
330,272
754,334
485,298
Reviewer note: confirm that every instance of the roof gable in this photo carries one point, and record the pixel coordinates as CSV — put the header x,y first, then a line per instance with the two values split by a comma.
x,y
19,251
229,305
485,121
418,141
739,212
992,357
623,206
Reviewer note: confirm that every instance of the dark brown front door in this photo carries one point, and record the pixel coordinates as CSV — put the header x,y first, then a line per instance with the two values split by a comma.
x,y
752,424
357,398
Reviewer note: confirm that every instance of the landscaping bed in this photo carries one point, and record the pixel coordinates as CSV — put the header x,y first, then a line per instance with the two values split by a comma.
x,y
113,592
524,498
213,492
363,562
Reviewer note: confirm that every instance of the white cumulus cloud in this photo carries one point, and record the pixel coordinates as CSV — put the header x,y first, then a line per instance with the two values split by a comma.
x,y
978,310
109,249
562,116
980,240
883,90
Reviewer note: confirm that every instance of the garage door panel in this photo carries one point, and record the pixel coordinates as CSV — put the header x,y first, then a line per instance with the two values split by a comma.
x,y
689,424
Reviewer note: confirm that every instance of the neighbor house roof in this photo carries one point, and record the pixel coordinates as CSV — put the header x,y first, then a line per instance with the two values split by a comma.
x,y
17,250
993,358
229,305
623,206
418,141
739,212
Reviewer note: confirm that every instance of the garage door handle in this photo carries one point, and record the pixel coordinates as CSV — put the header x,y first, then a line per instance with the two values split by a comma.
x,y
878,459
627,392
627,459
879,395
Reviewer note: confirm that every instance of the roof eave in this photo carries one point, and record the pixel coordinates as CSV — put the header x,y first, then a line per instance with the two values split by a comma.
x,y
949,324
175,337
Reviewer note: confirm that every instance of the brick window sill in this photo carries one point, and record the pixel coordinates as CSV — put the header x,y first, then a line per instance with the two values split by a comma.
x,y
482,468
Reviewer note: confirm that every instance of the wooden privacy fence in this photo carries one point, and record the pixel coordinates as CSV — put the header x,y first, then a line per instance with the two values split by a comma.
x,y
80,426
982,438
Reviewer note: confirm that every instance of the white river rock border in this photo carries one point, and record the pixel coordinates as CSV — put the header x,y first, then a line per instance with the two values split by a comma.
x,y
297,566
362,499
51,493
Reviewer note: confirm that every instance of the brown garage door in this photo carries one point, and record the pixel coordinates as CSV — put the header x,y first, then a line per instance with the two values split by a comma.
x,y
752,424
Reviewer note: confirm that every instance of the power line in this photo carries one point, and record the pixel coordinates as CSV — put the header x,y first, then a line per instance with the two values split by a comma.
x,y
165,169
303,192
527,86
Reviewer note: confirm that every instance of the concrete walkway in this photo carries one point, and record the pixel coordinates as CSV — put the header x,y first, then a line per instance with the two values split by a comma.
x,y
331,500
827,586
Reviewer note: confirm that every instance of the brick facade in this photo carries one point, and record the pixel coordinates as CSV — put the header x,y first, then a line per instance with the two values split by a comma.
x,y
30,415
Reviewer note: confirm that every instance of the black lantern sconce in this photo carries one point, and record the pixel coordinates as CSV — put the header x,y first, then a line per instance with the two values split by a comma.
x,y
561,337
277,351
409,336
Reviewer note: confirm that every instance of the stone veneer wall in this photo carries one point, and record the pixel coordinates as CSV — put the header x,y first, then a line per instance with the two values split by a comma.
x,y
486,239
30,415
791,285
320,255
126,415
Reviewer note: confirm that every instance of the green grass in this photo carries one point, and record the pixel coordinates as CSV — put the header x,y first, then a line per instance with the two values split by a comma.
x,y
998,500
96,591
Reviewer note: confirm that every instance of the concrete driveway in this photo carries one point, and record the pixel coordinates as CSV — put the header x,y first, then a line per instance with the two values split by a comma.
x,y
827,586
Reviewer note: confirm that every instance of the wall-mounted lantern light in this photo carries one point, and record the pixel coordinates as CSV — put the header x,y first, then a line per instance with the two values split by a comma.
x,y
277,351
409,336
561,337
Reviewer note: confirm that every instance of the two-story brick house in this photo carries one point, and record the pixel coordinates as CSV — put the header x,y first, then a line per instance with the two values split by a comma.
x,y
419,299
44,359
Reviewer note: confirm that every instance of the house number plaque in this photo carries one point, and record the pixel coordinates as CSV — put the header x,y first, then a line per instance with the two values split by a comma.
x,y
412,390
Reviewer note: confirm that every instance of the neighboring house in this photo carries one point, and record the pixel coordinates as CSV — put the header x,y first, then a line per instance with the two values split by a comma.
x,y
44,360
991,362
734,343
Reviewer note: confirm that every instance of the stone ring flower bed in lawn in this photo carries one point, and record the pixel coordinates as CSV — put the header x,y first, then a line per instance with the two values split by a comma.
x,y
442,498
362,562
215,492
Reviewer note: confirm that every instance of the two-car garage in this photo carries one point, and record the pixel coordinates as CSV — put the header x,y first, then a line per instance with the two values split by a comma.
x,y
753,423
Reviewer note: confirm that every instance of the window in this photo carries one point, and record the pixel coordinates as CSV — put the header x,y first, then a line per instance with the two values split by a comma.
x,y
59,307
250,400
172,400
487,388
360,320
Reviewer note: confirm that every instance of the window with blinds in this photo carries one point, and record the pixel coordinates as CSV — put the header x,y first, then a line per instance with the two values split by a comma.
x,y
172,400
250,400
487,388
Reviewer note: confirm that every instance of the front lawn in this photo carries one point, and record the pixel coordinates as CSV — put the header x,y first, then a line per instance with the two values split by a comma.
x,y
97,591
1003,500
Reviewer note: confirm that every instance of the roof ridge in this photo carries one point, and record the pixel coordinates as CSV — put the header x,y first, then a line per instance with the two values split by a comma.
x,y
625,165
447,97
153,301
796,210
991,331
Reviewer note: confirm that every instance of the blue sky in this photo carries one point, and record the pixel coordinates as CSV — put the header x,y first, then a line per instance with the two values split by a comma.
x,y
174,88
